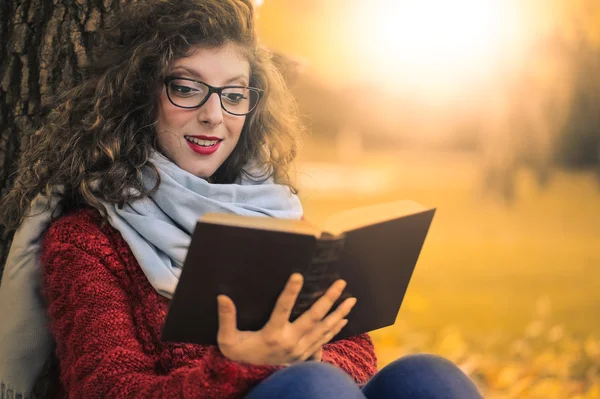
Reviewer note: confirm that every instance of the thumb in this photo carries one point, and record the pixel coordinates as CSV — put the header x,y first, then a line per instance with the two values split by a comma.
x,y
227,321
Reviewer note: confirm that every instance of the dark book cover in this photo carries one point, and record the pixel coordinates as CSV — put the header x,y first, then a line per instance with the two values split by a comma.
x,y
252,265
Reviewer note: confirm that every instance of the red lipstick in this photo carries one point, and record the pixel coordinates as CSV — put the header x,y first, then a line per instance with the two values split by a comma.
x,y
202,149
204,137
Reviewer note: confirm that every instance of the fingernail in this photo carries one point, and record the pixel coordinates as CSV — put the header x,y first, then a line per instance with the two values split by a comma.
x,y
342,284
352,302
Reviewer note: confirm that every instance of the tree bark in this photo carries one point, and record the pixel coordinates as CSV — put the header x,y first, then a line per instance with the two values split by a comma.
x,y
43,46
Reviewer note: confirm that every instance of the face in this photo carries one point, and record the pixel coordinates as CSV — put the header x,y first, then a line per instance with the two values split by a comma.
x,y
199,140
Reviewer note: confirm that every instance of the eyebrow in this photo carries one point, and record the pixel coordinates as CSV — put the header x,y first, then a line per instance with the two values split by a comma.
x,y
198,75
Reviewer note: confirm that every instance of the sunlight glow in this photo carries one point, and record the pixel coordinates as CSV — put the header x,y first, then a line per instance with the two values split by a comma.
x,y
433,43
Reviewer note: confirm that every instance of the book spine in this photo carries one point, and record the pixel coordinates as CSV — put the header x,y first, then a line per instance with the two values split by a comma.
x,y
320,274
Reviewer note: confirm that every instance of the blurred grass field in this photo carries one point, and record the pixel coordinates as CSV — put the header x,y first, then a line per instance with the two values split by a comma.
x,y
510,293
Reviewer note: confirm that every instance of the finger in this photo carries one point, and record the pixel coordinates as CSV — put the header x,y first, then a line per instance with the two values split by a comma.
x,y
285,302
330,323
227,332
319,309
328,336
317,356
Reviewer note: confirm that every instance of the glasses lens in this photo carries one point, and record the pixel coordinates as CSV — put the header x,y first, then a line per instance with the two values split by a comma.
x,y
186,93
239,100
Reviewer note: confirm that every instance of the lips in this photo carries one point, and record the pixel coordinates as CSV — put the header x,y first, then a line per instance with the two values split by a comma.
x,y
204,145
205,137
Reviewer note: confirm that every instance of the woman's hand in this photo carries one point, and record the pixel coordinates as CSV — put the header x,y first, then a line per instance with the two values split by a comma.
x,y
317,355
280,342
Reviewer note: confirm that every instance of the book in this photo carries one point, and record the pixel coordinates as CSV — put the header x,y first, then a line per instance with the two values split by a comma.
x,y
250,258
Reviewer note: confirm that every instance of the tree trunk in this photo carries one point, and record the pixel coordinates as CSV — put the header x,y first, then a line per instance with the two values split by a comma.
x,y
43,44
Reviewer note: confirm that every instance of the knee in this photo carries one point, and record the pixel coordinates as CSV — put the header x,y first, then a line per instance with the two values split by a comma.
x,y
313,380
423,360
312,372
426,375
421,365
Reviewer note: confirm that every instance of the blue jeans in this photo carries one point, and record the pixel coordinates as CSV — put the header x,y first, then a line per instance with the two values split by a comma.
x,y
411,377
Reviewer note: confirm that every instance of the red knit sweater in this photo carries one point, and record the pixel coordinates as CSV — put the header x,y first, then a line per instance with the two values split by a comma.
x,y
107,318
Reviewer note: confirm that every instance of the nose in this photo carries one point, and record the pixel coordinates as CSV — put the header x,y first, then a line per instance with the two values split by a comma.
x,y
210,113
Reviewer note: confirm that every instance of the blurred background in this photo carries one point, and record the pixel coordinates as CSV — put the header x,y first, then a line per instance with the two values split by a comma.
x,y
488,110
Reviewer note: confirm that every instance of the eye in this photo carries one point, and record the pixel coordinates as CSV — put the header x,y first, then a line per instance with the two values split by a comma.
x,y
234,98
183,90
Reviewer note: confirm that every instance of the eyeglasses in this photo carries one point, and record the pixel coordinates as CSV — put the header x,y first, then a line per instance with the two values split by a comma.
x,y
190,93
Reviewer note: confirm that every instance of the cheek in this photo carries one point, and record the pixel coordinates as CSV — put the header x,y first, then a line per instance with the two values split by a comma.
x,y
166,127
236,126
163,113
169,116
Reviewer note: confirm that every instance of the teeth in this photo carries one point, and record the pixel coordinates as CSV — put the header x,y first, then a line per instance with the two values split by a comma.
x,y
203,143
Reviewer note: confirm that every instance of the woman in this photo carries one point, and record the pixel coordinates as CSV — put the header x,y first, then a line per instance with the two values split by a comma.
x,y
182,114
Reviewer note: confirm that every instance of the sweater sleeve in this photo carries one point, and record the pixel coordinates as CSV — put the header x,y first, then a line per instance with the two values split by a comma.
x,y
355,355
100,354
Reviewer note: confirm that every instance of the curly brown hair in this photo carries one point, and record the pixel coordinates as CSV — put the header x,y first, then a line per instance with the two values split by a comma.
x,y
102,132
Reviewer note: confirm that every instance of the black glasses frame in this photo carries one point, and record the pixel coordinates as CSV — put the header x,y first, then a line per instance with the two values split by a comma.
x,y
211,90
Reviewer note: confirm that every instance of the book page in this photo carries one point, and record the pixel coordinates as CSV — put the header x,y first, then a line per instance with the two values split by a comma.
x,y
262,223
353,219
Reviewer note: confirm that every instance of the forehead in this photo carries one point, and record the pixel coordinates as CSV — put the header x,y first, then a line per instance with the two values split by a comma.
x,y
214,65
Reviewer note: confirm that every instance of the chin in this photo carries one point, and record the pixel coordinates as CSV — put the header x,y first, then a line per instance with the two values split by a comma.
x,y
203,173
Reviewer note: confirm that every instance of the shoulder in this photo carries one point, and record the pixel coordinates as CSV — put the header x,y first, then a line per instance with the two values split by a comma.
x,y
84,228
84,217
81,242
